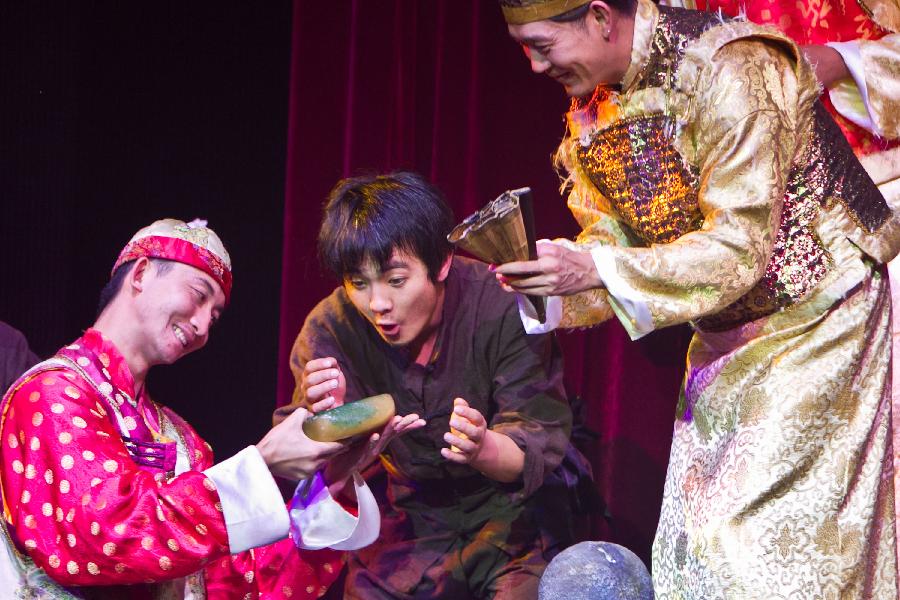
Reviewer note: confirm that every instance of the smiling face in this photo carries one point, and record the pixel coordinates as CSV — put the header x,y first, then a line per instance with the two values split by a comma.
x,y
399,299
175,310
579,55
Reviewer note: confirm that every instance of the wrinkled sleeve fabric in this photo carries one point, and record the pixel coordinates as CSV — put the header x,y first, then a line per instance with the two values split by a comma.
x,y
306,564
254,519
82,509
531,405
599,228
745,132
319,521
872,98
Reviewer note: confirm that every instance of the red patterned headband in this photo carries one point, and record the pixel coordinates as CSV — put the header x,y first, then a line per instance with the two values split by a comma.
x,y
192,244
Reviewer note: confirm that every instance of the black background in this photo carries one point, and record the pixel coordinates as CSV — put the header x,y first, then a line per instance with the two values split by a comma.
x,y
113,115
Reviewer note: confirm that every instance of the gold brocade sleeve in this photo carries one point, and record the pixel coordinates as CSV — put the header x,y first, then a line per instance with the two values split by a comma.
x,y
743,132
881,65
884,12
599,227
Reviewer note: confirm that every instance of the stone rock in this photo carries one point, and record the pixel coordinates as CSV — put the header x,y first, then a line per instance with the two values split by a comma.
x,y
596,571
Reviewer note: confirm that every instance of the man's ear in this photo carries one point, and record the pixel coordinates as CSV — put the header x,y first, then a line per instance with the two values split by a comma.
x,y
138,274
601,13
445,269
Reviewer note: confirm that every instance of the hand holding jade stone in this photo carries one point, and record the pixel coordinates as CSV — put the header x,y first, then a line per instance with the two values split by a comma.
x,y
323,384
288,452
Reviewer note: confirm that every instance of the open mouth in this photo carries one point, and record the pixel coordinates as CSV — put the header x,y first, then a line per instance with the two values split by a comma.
x,y
180,335
389,329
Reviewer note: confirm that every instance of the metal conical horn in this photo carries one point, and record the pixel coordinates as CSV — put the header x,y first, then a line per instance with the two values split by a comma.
x,y
501,232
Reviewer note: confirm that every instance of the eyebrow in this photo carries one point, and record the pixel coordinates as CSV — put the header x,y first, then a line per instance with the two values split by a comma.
x,y
394,264
532,39
535,39
383,268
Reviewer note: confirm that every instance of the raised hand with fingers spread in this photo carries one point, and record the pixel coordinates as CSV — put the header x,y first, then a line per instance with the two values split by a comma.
x,y
362,453
494,454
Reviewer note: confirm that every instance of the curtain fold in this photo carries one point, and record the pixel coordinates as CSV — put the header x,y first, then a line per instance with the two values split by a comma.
x,y
439,87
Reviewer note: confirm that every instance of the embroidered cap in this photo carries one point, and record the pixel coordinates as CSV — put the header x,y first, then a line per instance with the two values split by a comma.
x,y
519,12
192,243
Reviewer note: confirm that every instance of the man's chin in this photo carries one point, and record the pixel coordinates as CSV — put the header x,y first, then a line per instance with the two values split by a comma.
x,y
170,359
175,354
394,341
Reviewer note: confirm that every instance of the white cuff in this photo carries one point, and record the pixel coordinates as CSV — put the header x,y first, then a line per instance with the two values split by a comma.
x,y
851,99
251,503
626,302
319,521
530,321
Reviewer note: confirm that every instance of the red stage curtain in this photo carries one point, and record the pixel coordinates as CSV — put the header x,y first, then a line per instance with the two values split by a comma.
x,y
438,87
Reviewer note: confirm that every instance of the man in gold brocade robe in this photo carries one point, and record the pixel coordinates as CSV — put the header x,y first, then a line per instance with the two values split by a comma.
x,y
713,188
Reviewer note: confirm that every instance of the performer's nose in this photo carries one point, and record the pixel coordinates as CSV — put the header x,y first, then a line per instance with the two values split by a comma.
x,y
379,302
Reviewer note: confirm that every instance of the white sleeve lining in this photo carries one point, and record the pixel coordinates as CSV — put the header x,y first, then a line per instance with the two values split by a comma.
x,y
852,101
626,302
251,503
319,521
530,321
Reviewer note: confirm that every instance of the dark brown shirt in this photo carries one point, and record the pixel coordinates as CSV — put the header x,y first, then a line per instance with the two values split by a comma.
x,y
482,354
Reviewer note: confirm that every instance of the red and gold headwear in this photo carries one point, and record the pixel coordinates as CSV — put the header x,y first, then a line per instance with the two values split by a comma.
x,y
192,243
518,12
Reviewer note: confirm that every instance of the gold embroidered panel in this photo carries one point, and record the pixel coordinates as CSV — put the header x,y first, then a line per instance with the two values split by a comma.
x,y
635,165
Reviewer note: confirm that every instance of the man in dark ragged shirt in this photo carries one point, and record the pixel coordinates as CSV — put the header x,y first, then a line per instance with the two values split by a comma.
x,y
437,333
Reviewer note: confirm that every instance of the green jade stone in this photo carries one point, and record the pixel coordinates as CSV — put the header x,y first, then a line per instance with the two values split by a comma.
x,y
351,419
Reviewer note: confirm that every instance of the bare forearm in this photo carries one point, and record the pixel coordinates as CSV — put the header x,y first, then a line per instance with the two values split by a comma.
x,y
827,63
500,458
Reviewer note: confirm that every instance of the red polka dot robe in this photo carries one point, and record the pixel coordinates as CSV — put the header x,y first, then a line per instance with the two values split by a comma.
x,y
91,497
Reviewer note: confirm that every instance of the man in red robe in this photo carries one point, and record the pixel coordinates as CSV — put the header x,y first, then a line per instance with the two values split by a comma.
x,y
107,493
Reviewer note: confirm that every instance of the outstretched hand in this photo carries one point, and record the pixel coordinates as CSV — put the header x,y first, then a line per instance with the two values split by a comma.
x,y
362,453
558,271
493,454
